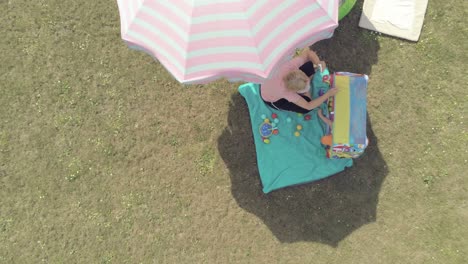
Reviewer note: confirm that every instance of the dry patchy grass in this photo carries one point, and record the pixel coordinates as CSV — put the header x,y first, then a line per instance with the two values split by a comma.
x,y
104,158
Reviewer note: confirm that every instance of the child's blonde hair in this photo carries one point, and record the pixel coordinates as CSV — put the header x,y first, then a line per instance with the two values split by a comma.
x,y
295,80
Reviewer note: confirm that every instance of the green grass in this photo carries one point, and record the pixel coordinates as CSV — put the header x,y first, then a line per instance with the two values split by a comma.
x,y
105,158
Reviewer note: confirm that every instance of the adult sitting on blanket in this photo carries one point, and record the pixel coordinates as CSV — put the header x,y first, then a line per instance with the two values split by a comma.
x,y
289,89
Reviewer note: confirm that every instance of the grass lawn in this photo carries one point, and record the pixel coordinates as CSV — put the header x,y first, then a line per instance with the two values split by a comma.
x,y
105,158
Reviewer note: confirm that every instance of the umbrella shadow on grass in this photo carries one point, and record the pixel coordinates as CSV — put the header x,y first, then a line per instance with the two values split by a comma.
x,y
324,211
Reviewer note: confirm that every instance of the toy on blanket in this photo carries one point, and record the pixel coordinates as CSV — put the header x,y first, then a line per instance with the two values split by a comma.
x,y
267,128
346,137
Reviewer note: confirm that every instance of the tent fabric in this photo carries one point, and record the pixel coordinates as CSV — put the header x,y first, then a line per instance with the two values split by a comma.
x,y
399,18
288,159
199,40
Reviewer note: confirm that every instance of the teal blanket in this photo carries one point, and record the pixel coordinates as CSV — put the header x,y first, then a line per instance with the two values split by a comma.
x,y
292,155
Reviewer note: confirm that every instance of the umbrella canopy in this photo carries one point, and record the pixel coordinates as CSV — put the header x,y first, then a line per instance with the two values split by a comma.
x,y
202,40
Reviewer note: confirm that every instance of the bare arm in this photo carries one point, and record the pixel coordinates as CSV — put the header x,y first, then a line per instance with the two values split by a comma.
x,y
324,119
316,102
308,94
313,57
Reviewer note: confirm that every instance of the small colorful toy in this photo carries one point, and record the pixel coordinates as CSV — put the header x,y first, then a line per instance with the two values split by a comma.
x,y
267,129
326,79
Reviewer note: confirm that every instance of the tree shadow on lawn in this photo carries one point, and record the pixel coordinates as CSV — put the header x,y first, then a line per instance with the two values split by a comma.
x,y
324,211
351,48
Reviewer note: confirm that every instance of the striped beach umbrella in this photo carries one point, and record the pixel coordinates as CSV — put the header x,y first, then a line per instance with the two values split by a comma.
x,y
202,40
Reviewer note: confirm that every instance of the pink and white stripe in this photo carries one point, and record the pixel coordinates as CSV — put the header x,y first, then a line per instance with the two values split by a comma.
x,y
202,40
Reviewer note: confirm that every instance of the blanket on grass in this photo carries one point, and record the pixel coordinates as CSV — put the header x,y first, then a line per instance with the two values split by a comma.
x,y
287,144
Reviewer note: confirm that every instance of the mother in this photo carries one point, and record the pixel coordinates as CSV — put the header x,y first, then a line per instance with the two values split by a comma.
x,y
289,89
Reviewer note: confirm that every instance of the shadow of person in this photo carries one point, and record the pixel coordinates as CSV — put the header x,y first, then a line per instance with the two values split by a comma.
x,y
325,211
328,210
